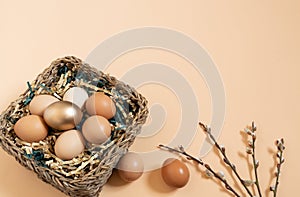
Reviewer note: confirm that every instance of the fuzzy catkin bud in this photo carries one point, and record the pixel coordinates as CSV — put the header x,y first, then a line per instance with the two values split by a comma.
x,y
248,182
249,150
208,173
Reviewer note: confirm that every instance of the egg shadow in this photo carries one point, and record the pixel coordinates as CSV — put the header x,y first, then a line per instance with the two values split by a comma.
x,y
115,180
157,183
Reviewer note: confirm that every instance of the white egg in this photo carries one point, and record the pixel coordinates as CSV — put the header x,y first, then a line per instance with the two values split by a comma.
x,y
76,95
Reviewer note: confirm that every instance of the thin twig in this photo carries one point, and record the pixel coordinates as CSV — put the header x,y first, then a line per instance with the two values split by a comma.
x,y
199,161
255,162
226,160
280,149
277,177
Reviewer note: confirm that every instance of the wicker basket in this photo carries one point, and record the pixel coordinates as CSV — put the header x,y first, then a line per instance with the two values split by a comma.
x,y
86,174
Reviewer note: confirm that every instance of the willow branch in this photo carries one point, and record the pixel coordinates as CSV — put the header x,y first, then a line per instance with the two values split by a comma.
x,y
226,160
280,149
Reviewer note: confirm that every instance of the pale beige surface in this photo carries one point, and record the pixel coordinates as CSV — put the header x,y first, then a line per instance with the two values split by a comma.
x,y
255,45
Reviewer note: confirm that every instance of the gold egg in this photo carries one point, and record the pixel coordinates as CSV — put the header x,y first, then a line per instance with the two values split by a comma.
x,y
62,115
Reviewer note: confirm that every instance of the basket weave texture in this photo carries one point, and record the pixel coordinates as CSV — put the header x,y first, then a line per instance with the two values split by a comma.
x,y
86,174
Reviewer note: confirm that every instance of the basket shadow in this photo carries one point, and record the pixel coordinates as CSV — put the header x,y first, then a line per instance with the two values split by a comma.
x,y
16,180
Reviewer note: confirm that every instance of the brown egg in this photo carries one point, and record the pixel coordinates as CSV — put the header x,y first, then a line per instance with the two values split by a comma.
x,y
100,104
130,167
63,115
39,103
31,128
175,173
96,129
69,145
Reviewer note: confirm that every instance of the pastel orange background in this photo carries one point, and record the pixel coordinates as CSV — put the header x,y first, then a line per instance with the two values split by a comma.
x,y
255,45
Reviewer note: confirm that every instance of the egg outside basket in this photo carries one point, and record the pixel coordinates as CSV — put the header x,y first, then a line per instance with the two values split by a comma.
x,y
86,174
